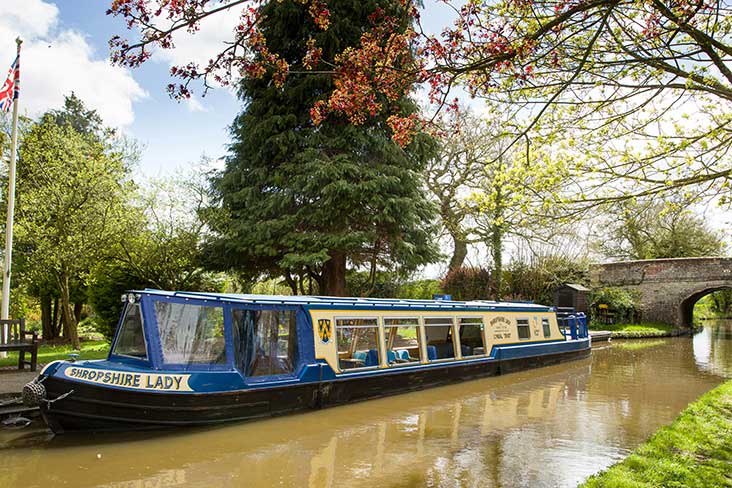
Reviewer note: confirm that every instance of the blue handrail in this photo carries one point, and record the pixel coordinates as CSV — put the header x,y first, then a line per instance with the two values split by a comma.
x,y
577,324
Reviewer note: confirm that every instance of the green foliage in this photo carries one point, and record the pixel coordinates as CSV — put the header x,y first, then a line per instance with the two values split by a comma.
x,y
538,279
695,450
653,230
72,189
270,287
107,284
419,289
721,302
362,284
160,249
302,201
621,302
468,283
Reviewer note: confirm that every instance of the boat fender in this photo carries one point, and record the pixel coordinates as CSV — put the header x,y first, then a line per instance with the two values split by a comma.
x,y
34,393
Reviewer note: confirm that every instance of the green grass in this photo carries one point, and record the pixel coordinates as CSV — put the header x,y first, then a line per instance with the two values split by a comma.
x,y
643,329
46,354
694,451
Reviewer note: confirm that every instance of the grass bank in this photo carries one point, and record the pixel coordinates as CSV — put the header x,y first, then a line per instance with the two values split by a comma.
x,y
694,451
48,353
634,331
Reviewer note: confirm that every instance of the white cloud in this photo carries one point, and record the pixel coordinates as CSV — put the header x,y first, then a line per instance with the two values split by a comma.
x,y
55,62
194,105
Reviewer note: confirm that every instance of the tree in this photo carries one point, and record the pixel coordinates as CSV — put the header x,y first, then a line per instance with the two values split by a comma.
x,y
611,69
454,174
653,230
302,201
160,249
71,205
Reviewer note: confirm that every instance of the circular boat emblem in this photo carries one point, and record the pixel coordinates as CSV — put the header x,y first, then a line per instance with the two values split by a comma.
x,y
324,330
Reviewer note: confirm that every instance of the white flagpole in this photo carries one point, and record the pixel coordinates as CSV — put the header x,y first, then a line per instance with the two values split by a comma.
x,y
5,312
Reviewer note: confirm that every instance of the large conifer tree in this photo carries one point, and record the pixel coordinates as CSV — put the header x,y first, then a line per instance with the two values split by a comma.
x,y
302,201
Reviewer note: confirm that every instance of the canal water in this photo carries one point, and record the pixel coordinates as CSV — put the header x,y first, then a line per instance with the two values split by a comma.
x,y
549,427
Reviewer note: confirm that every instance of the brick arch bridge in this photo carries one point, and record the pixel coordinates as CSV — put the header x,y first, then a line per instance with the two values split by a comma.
x,y
668,288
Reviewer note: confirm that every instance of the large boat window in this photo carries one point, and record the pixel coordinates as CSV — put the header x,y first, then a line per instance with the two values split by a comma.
x,y
547,327
265,341
524,330
131,338
402,340
191,334
471,336
358,343
438,332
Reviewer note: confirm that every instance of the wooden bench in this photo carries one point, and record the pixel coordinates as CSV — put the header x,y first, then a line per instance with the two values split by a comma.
x,y
14,337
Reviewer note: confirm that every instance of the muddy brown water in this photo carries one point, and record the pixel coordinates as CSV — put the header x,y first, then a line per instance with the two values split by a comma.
x,y
550,427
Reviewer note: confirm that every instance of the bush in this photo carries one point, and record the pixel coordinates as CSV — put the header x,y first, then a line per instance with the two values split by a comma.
x,y
385,285
108,285
419,290
538,279
468,283
621,302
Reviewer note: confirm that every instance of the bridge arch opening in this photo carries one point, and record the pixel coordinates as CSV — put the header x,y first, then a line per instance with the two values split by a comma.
x,y
687,305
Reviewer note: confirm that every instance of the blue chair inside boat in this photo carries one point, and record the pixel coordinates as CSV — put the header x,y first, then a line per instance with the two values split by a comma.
x,y
431,353
360,355
402,354
372,358
444,350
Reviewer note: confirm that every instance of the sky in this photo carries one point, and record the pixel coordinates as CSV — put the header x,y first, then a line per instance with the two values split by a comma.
x,y
66,49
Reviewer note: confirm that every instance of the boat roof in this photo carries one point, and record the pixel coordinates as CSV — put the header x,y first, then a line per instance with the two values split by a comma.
x,y
359,303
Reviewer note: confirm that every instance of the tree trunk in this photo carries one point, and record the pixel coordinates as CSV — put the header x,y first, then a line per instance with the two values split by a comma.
x,y
459,253
497,254
78,307
67,313
291,282
47,329
334,275
56,319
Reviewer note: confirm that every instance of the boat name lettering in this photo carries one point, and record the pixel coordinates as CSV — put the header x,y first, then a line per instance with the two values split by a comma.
x,y
500,320
140,381
501,327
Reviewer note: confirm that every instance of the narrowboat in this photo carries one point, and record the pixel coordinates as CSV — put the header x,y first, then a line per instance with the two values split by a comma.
x,y
184,358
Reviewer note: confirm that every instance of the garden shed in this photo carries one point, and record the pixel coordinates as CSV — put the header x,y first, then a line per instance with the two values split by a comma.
x,y
572,295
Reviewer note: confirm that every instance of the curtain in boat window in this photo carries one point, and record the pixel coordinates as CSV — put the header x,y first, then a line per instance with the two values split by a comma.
x,y
265,341
191,334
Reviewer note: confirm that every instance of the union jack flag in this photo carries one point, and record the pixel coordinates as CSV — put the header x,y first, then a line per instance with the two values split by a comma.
x,y
11,88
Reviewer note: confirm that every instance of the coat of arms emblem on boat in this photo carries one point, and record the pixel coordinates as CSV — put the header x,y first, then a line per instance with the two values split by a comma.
x,y
324,330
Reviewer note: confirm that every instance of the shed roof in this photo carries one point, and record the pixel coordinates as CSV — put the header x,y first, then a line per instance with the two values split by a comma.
x,y
575,286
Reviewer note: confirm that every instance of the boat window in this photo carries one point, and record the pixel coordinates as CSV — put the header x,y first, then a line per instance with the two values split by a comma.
x,y
265,341
471,336
438,332
524,331
131,338
358,343
547,327
191,334
402,340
